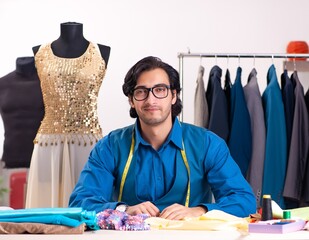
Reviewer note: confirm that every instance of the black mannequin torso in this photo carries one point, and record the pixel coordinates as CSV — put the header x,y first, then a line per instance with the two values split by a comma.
x,y
22,110
25,66
72,44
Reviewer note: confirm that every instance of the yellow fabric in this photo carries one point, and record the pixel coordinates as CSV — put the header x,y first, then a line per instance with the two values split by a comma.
x,y
302,212
212,220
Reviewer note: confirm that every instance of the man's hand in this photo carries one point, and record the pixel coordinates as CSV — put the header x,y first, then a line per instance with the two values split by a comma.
x,y
145,208
178,212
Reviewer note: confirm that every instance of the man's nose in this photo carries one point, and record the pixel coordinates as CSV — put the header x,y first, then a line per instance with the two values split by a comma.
x,y
150,97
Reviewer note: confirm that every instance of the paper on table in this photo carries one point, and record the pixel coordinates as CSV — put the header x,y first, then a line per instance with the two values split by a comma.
x,y
212,220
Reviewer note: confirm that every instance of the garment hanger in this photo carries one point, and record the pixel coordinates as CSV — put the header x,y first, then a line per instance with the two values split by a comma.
x,y
201,68
227,81
272,59
227,62
294,61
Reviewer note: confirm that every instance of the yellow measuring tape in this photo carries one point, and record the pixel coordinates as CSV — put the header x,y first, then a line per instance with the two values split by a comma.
x,y
126,169
128,163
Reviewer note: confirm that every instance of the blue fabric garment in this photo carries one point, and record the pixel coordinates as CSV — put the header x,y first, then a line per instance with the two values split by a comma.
x,y
72,217
46,219
240,140
161,176
276,139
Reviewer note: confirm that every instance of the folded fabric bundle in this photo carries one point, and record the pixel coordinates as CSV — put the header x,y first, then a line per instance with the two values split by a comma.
x,y
39,228
214,220
71,217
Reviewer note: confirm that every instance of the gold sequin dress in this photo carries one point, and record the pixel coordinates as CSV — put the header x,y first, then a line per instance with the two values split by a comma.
x,y
70,127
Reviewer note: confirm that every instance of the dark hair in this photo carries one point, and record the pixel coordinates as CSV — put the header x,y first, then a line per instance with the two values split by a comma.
x,y
147,64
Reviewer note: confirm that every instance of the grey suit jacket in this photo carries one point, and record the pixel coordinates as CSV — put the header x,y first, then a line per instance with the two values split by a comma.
x,y
299,147
201,114
256,112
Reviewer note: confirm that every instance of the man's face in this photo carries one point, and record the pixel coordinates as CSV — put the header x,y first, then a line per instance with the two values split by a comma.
x,y
152,110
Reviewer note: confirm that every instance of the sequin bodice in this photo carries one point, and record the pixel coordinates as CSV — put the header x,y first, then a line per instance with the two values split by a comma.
x,y
70,88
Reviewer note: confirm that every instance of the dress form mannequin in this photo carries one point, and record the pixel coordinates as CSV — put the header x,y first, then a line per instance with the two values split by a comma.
x,y
22,109
72,43
71,70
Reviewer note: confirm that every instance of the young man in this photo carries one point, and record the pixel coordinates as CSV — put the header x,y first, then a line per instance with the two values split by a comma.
x,y
160,166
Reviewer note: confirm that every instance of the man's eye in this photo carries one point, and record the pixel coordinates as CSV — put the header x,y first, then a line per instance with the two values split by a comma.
x,y
159,89
140,91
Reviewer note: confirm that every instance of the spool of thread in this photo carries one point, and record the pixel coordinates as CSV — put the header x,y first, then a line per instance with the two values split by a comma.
x,y
267,213
286,214
297,47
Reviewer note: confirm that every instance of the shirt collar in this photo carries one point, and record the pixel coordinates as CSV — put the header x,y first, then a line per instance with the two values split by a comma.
x,y
175,135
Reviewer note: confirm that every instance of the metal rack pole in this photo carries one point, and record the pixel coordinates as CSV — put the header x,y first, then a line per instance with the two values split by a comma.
x,y
243,55
181,82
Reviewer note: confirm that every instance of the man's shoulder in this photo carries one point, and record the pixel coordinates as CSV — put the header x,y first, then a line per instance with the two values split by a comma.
x,y
116,136
189,127
197,131
120,133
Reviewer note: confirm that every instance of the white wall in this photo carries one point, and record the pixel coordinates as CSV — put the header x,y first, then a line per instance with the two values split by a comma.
x,y
135,29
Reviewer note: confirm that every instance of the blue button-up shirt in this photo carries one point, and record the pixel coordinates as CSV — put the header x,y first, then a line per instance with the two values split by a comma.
x,y
160,176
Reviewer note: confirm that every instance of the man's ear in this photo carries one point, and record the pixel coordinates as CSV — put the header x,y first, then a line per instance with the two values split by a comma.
x,y
130,99
174,94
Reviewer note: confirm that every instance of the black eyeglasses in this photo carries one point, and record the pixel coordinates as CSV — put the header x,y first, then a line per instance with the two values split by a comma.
x,y
159,91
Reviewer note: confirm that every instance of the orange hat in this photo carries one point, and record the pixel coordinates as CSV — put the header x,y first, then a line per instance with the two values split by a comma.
x,y
297,47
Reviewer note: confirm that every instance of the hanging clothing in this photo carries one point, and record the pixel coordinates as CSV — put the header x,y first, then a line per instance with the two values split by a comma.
x,y
307,99
299,148
276,147
227,91
240,140
70,127
201,113
255,108
305,191
288,98
217,104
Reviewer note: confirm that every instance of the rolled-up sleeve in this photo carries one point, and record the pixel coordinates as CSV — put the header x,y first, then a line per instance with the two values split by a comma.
x,y
231,191
94,189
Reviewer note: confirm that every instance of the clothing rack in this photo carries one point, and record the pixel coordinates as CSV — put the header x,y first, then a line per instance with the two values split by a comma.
x,y
243,55
183,55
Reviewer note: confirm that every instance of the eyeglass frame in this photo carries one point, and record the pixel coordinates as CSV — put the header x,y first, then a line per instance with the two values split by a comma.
x,y
151,90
